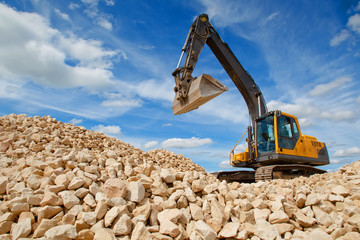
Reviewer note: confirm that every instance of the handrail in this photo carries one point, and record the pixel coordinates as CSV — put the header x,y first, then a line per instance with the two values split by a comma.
x,y
232,150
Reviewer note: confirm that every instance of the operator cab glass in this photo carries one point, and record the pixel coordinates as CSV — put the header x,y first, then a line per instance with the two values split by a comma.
x,y
265,136
288,132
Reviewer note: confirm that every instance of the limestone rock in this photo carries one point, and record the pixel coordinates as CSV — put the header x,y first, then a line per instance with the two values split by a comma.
x,y
318,234
104,234
123,226
5,226
144,210
172,215
48,212
52,199
85,234
284,227
340,190
114,188
44,225
278,217
217,211
61,232
69,199
136,192
158,188
89,218
312,199
111,215
265,230
76,183
169,228
196,212
305,221
322,217
229,230
204,230
300,200
3,183
101,209
22,229
167,176
62,180
198,185
140,232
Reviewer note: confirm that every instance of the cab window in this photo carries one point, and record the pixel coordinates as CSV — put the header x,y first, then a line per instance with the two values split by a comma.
x,y
285,132
296,130
265,136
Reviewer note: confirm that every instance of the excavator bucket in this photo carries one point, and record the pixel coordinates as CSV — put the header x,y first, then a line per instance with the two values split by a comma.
x,y
202,90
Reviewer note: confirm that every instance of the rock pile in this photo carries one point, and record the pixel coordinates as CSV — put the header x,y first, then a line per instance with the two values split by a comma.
x,y
58,181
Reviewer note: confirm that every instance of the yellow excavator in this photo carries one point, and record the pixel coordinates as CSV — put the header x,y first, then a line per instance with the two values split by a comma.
x,y
276,148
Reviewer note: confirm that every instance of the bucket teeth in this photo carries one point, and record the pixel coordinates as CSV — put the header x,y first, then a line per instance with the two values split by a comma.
x,y
202,90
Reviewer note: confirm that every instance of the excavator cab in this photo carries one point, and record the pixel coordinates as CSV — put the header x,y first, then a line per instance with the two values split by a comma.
x,y
278,139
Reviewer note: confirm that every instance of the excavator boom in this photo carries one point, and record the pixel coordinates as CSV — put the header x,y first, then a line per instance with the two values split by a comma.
x,y
201,32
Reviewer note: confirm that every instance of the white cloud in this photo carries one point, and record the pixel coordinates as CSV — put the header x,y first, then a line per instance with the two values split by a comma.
x,y
99,18
323,89
32,50
335,161
185,142
339,38
225,165
306,122
310,111
104,23
110,2
150,144
270,18
118,100
357,8
220,10
62,15
75,121
354,23
12,90
74,6
167,125
358,100
122,103
350,152
111,130
153,89
90,2
88,52
224,106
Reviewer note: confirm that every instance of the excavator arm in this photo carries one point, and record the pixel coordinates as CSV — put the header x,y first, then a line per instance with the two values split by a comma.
x,y
201,32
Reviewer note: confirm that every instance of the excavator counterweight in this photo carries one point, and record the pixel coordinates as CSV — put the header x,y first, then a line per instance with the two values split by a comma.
x,y
201,90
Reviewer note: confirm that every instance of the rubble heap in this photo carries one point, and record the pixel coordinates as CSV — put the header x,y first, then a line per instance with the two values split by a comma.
x,y
58,181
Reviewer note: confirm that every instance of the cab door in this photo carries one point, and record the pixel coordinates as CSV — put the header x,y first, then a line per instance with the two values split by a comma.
x,y
288,134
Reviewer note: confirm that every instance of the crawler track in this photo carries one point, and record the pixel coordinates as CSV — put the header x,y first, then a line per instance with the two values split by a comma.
x,y
236,176
285,172
268,173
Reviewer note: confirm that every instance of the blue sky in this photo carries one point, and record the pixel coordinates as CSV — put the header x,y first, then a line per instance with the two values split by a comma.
x,y
106,65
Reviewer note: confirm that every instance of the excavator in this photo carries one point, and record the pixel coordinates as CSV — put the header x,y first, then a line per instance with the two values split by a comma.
x,y
276,148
